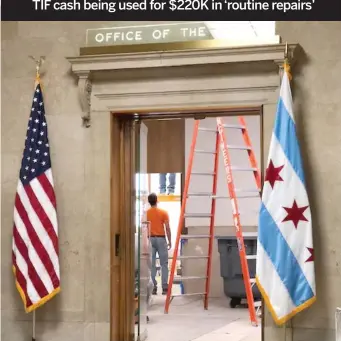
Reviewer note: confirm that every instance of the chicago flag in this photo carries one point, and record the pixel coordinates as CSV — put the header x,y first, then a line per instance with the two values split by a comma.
x,y
285,253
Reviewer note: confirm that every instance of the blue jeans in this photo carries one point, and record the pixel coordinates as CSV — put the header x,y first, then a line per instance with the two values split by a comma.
x,y
171,183
159,245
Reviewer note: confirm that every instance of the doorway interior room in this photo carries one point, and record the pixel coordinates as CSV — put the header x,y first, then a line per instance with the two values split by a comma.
x,y
150,144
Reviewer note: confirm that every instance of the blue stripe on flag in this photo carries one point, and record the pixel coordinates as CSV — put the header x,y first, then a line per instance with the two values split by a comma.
x,y
283,259
285,131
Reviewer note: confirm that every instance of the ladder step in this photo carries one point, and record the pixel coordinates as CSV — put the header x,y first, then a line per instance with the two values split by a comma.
x,y
233,126
250,234
203,173
198,215
200,194
251,257
190,294
192,257
201,151
236,168
194,236
211,130
257,304
256,195
210,194
248,190
231,146
189,278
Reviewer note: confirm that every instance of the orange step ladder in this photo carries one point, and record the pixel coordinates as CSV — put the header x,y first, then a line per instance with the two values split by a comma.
x,y
220,143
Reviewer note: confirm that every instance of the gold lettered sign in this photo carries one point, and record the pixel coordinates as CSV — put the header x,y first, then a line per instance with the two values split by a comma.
x,y
148,34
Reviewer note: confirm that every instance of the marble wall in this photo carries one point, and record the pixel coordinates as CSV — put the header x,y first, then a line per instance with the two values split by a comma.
x,y
81,168
81,165
317,108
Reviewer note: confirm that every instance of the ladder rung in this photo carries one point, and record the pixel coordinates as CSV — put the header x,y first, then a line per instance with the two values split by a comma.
x,y
200,194
194,236
188,278
232,146
251,257
192,257
256,195
236,168
201,151
190,294
249,190
248,211
198,215
211,130
233,126
210,194
203,173
250,234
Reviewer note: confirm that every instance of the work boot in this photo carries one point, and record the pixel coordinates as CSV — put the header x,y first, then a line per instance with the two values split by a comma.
x,y
154,291
164,291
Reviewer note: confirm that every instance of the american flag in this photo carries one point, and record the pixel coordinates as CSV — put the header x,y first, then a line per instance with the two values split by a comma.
x,y
35,230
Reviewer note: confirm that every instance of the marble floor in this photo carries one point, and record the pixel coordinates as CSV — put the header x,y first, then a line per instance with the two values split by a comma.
x,y
188,321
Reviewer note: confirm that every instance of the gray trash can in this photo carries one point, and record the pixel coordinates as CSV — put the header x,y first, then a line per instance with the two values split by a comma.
x,y
230,268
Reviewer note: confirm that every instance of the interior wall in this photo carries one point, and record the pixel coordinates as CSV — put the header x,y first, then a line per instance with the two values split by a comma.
x,y
166,140
82,178
317,107
81,169
81,161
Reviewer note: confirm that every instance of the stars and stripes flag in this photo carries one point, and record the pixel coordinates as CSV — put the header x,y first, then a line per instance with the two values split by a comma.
x,y
285,253
35,231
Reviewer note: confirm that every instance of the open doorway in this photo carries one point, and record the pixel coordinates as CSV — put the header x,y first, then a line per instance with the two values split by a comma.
x,y
187,320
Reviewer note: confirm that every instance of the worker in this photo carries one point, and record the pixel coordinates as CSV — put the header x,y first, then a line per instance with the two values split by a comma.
x,y
163,183
159,228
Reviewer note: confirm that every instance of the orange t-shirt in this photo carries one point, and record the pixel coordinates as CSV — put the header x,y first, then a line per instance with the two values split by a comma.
x,y
157,218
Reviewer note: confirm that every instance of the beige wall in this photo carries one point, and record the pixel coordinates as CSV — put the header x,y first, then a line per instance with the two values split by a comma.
x,y
81,168
317,89
81,312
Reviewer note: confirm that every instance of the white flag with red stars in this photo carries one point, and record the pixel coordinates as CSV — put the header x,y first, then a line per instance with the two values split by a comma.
x,y
285,253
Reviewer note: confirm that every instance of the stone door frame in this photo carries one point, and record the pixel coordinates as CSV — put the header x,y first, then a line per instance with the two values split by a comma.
x,y
169,83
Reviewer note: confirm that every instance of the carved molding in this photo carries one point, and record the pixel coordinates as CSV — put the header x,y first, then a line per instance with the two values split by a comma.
x,y
259,53
91,65
84,94
170,99
187,92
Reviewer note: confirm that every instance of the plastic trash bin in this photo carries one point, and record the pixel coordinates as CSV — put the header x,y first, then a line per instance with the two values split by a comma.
x,y
230,268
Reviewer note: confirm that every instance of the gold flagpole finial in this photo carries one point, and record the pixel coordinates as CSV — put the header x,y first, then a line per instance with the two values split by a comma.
x,y
39,62
286,51
286,65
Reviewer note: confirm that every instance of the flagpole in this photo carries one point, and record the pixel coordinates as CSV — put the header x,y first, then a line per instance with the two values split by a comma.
x,y
286,68
38,62
34,326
